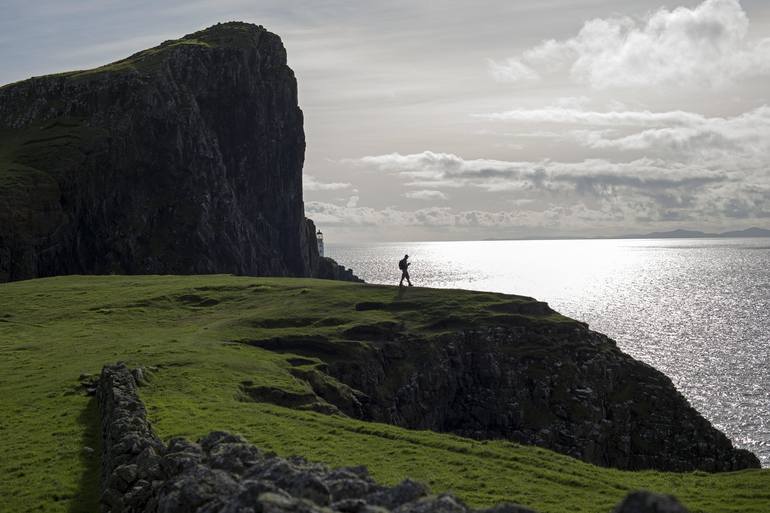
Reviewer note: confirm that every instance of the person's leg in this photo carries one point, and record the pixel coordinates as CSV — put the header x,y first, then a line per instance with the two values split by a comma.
x,y
401,283
406,273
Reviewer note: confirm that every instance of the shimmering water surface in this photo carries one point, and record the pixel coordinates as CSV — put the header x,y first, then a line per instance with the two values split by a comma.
x,y
696,309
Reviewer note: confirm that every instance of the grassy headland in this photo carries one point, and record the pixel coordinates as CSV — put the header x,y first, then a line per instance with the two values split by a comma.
x,y
55,332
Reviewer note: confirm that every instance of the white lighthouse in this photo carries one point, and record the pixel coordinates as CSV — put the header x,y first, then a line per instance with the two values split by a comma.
x,y
320,238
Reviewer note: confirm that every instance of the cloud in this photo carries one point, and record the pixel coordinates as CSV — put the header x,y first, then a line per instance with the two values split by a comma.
x,y
704,46
592,195
426,194
330,214
739,144
598,176
512,70
574,218
557,114
311,183
641,190
732,143
352,201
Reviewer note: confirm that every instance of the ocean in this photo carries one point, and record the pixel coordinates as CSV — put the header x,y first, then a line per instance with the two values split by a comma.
x,y
696,309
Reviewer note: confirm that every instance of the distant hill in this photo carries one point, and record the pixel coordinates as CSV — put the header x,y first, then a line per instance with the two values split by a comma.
x,y
748,232
696,234
673,234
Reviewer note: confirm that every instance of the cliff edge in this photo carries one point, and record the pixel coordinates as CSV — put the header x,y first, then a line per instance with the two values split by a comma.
x,y
488,366
184,158
299,366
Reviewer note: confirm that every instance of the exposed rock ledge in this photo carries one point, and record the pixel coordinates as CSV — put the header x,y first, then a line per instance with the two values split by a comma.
x,y
223,473
558,385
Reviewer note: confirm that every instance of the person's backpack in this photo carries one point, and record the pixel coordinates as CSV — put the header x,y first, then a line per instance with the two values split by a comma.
x,y
401,264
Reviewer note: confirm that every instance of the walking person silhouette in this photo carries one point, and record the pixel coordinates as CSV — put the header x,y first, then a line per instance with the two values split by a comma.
x,y
404,266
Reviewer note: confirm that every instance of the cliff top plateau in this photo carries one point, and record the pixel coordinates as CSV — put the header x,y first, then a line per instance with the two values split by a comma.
x,y
295,366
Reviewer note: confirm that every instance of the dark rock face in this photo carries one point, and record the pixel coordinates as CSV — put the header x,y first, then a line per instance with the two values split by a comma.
x,y
185,158
568,389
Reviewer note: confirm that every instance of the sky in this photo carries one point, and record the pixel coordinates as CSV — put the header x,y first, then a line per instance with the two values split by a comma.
x,y
448,119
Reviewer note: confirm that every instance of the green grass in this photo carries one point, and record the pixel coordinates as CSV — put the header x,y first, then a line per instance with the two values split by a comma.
x,y
54,330
231,35
33,162
145,61
52,146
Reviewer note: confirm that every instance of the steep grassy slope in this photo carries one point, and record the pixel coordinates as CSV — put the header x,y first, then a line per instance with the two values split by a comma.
x,y
55,331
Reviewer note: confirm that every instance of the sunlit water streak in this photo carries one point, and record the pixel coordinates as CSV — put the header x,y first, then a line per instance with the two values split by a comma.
x,y
696,309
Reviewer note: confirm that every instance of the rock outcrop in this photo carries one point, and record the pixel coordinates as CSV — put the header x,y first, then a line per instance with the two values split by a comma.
x,y
225,474
646,502
184,158
557,385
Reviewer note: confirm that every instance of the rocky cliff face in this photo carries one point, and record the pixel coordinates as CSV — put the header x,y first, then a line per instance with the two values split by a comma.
x,y
185,158
559,386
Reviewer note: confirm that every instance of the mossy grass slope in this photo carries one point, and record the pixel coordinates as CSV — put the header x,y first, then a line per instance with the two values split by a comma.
x,y
32,163
58,332
233,34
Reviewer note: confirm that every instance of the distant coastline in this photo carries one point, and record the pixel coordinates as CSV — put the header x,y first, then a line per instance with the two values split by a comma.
x,y
748,233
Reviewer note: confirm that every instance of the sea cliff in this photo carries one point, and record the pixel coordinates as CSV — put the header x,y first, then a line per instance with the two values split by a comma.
x,y
184,158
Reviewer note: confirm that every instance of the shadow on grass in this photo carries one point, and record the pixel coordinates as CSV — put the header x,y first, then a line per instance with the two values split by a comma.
x,y
86,499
